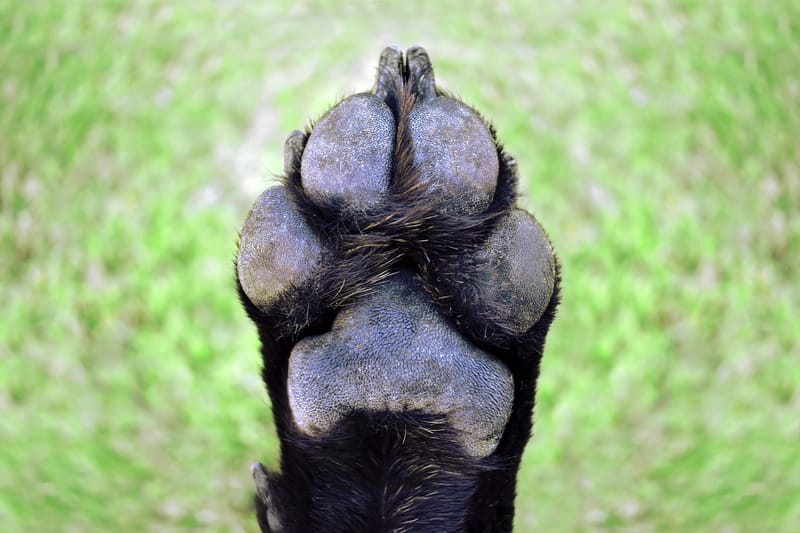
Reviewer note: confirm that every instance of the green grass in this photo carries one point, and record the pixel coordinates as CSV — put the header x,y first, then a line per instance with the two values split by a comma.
x,y
657,144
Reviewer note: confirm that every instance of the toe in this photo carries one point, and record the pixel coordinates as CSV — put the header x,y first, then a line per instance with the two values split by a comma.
x,y
277,249
455,154
347,159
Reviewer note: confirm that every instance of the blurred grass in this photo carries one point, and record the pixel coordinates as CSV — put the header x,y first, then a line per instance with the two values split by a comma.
x,y
658,144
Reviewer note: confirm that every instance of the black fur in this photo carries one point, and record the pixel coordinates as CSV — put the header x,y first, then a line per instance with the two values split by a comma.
x,y
389,471
378,472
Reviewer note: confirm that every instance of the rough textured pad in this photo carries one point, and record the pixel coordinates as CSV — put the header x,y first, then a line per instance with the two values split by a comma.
x,y
518,281
277,249
455,153
348,156
394,351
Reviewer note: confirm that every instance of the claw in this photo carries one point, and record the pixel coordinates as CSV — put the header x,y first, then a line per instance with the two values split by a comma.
x,y
265,504
261,481
390,67
293,150
420,73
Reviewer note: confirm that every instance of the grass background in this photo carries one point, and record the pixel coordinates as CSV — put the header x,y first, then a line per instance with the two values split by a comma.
x,y
658,144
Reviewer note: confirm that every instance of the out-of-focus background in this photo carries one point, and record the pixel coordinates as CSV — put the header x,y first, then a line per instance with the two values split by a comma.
x,y
658,143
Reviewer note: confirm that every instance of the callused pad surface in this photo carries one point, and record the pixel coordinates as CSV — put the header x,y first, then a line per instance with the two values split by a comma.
x,y
518,276
348,156
455,153
394,351
277,248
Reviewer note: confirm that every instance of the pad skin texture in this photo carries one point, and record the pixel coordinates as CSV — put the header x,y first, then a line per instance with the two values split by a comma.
x,y
402,302
348,156
393,351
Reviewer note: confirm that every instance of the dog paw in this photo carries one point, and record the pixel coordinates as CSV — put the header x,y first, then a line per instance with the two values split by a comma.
x,y
393,264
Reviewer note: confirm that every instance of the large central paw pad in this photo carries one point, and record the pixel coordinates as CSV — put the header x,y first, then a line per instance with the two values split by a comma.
x,y
394,261
394,351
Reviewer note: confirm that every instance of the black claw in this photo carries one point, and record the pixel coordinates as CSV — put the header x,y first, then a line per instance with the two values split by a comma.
x,y
420,73
293,150
261,479
390,68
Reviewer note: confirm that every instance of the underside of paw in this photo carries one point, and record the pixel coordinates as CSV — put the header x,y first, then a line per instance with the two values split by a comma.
x,y
391,271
